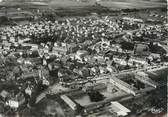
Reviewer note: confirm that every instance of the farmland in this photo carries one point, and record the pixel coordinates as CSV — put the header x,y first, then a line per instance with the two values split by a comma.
x,y
116,4
84,7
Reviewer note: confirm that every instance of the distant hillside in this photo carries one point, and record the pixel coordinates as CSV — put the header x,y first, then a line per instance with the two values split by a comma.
x,y
25,0
82,0
112,4
159,0
136,0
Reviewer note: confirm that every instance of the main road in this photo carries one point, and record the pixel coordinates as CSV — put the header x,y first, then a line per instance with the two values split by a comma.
x,y
57,88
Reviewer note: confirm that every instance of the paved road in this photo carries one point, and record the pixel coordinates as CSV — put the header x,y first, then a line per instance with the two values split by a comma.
x,y
56,88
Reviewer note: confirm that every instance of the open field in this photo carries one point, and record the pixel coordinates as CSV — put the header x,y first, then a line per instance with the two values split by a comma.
x,y
116,4
79,8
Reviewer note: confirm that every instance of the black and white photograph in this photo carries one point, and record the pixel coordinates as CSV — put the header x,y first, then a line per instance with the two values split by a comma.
x,y
83,58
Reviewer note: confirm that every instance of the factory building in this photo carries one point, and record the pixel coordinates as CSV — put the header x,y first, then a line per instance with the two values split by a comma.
x,y
132,19
30,75
144,78
119,109
123,85
69,102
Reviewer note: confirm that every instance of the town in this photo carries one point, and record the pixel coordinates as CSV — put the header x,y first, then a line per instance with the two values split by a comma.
x,y
98,65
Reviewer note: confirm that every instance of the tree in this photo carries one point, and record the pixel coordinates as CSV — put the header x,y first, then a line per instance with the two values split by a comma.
x,y
95,96
3,20
127,45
